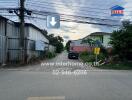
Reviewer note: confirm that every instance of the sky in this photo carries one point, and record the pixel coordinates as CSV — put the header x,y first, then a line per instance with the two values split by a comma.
x,y
86,8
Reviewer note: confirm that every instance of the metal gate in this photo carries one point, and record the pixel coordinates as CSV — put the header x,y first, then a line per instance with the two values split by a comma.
x,y
3,49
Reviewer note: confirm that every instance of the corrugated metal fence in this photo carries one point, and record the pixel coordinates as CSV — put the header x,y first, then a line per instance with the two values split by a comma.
x,y
3,49
10,51
14,51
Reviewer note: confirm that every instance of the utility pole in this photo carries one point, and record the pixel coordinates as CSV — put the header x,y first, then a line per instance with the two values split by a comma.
x,y
23,42
22,30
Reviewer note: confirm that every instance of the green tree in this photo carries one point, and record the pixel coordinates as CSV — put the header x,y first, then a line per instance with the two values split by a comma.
x,y
60,39
59,47
56,41
121,41
68,46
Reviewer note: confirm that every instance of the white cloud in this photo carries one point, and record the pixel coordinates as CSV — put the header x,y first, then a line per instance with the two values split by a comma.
x,y
78,8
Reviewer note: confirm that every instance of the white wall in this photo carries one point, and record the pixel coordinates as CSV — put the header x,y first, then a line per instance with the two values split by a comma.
x,y
52,48
106,40
36,35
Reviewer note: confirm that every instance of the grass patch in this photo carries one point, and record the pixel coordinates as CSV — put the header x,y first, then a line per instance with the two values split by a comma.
x,y
90,57
117,66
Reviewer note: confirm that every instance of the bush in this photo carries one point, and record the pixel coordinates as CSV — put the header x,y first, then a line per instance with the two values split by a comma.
x,y
90,57
50,55
103,51
84,53
101,56
121,41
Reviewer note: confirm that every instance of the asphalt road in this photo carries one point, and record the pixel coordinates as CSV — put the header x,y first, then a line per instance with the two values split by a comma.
x,y
36,82
96,85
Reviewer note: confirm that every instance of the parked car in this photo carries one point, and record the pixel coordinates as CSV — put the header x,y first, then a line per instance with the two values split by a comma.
x,y
73,55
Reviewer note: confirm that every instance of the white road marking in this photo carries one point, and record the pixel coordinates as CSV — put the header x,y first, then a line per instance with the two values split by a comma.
x,y
46,98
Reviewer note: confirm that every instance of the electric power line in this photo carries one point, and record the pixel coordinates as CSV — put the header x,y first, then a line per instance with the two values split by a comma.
x,y
58,3
75,16
63,8
69,17
71,20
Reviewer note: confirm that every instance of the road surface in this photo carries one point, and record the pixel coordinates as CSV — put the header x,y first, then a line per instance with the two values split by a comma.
x,y
38,82
96,85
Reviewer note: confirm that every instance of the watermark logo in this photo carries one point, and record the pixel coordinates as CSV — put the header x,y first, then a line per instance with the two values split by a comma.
x,y
117,11
69,72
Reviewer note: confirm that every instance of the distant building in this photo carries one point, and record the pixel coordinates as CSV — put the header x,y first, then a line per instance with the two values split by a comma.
x,y
36,42
102,37
78,46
